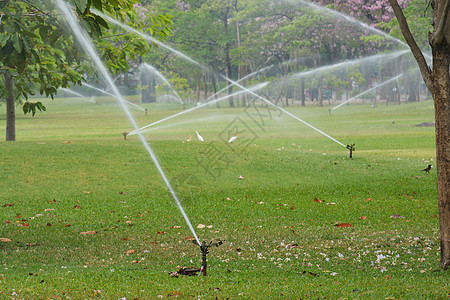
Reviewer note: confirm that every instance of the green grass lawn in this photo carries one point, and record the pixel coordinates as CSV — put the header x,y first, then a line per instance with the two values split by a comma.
x,y
70,171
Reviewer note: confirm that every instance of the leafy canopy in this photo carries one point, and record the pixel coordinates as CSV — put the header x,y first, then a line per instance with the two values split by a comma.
x,y
39,53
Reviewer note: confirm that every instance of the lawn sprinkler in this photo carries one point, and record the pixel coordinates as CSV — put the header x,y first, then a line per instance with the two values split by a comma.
x,y
146,111
125,134
351,147
204,248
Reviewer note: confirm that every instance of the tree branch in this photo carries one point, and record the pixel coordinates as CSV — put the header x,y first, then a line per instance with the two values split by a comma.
x,y
417,53
438,34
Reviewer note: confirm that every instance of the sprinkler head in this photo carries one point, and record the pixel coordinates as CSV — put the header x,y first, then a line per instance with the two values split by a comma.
x,y
351,147
204,248
125,134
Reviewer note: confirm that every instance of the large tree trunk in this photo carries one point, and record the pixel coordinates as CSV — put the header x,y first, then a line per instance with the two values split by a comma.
x,y
441,96
438,82
10,110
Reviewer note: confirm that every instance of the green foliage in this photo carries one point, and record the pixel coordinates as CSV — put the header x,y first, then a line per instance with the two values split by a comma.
x,y
420,14
180,84
41,56
355,78
30,107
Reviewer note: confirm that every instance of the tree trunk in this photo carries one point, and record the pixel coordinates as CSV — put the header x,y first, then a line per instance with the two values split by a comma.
x,y
198,86
10,109
320,95
438,82
302,91
214,84
441,95
147,93
205,89
229,67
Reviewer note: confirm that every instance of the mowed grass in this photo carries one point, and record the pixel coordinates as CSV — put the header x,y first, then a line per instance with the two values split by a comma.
x,y
70,171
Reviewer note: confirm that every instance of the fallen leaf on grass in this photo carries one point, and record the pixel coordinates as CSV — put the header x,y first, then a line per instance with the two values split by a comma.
x,y
368,199
77,207
5,240
66,142
240,177
87,192
123,193
88,232
49,225
160,232
24,225
7,204
67,225
50,201
176,226
135,261
396,216
343,225
200,226
330,203
128,252
189,238
317,200
362,218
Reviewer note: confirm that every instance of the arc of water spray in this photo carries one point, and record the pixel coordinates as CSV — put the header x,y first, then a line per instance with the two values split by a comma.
x,y
243,78
153,69
366,91
285,111
112,95
167,96
203,67
142,129
84,41
349,63
349,19
353,20
147,37
72,92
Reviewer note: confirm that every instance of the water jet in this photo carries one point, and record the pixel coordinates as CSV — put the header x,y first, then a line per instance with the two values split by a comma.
x,y
81,35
